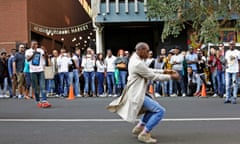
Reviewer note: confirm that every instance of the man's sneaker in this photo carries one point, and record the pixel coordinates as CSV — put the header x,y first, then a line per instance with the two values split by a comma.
x,y
20,97
39,104
173,95
146,138
46,104
115,95
102,95
215,95
157,95
109,95
79,96
1,96
183,95
137,130
6,96
224,95
227,102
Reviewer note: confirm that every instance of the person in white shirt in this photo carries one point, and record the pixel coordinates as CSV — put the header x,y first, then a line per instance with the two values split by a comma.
x,y
63,62
36,57
232,68
100,74
177,65
110,68
88,64
55,71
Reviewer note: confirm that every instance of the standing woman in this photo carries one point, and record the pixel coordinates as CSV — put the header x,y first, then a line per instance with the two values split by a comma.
x,y
100,74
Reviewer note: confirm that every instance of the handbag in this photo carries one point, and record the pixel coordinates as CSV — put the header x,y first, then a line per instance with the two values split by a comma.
x,y
48,72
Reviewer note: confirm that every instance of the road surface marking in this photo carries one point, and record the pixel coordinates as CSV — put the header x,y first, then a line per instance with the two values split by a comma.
x,y
116,120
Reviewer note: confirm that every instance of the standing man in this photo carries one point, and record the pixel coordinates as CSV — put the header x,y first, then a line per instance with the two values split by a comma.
x,y
134,97
232,68
18,66
110,66
13,82
63,62
36,57
55,71
76,59
192,59
177,65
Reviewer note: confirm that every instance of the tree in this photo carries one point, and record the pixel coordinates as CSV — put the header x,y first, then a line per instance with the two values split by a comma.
x,y
205,17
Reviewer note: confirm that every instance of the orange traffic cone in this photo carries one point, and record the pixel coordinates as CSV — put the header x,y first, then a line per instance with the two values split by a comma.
x,y
71,94
151,89
203,93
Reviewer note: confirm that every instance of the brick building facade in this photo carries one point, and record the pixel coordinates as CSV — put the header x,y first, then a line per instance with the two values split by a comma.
x,y
16,16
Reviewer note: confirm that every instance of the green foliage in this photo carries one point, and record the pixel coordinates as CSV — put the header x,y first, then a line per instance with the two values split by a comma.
x,y
204,16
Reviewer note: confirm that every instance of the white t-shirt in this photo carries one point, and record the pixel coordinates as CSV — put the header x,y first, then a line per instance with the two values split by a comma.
x,y
232,65
88,63
63,63
100,66
179,59
36,68
110,63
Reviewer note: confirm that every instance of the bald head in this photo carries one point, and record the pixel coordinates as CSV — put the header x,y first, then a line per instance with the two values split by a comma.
x,y
142,50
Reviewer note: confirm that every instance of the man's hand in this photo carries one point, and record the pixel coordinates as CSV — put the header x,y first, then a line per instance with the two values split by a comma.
x,y
168,71
175,75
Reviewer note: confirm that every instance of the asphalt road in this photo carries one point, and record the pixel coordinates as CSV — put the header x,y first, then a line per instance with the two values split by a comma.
x,y
85,121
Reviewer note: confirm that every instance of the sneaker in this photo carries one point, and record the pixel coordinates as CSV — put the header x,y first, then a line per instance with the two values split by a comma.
x,y
6,96
46,104
173,95
137,130
157,95
146,138
79,96
20,96
224,95
39,104
1,96
183,95
215,95
109,95
115,95
227,102
102,95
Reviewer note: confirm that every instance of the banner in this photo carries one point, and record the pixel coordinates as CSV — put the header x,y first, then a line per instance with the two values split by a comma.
x,y
60,31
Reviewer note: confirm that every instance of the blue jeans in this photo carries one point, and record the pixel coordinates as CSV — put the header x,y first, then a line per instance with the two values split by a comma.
x,y
6,86
122,79
57,82
64,83
168,87
231,83
49,85
179,84
76,82
38,84
158,87
213,77
221,82
154,114
111,82
89,79
100,78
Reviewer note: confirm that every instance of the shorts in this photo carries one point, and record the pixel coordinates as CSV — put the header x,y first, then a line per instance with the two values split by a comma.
x,y
20,80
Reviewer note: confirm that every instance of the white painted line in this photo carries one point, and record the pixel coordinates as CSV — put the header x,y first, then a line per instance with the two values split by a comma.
x,y
116,120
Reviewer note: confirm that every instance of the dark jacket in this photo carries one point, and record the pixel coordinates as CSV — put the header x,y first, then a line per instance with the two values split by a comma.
x,y
3,71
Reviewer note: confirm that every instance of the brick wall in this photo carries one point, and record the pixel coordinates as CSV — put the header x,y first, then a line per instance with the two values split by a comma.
x,y
13,25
